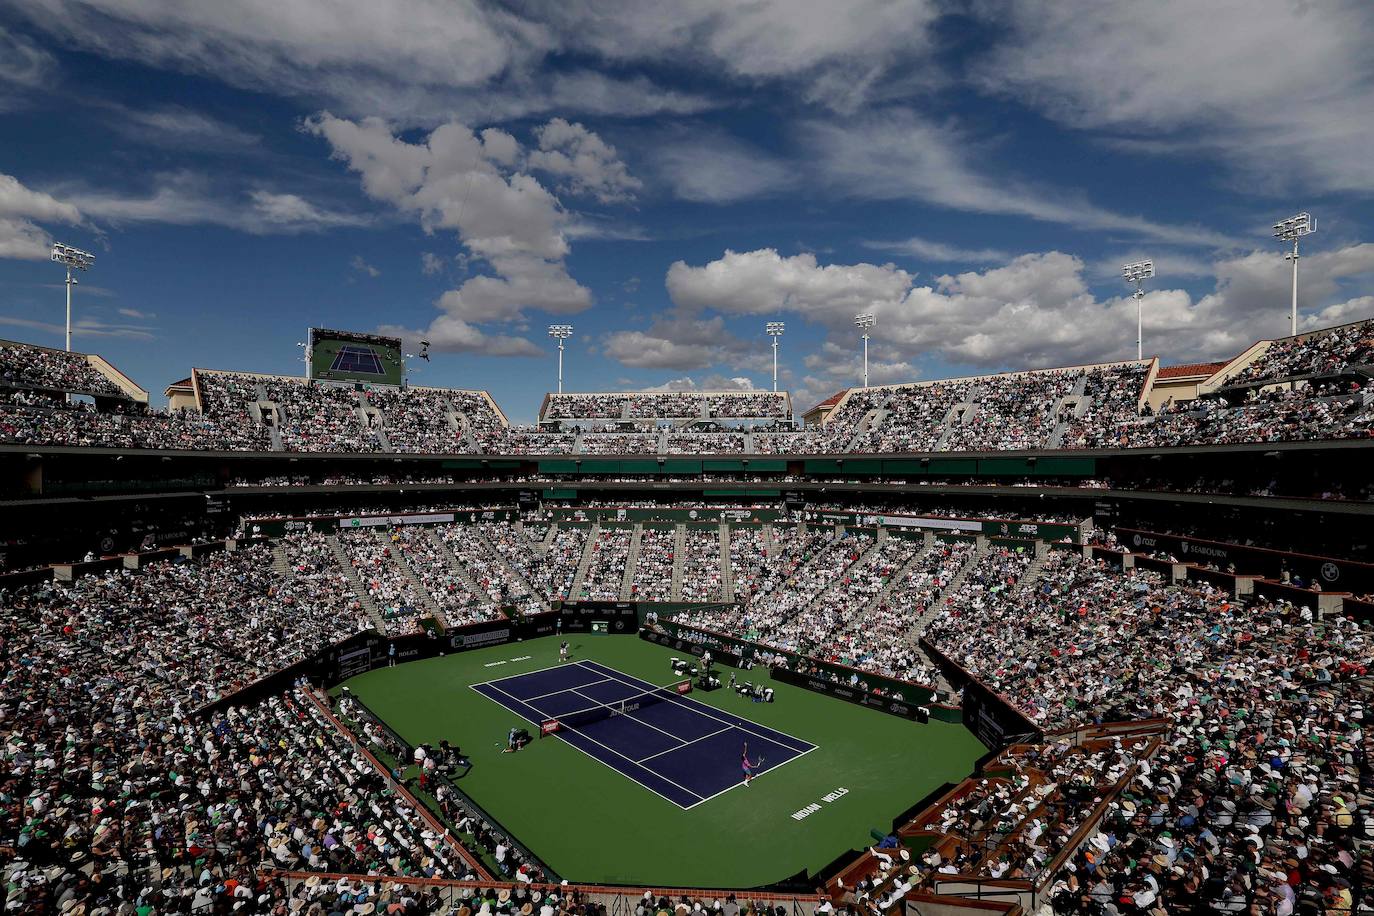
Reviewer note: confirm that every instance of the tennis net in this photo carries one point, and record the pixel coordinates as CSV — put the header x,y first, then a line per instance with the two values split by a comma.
x,y
589,714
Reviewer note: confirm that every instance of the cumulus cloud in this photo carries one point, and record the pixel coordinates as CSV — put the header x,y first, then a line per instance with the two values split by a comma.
x,y
430,263
1177,77
675,340
21,211
583,162
1036,310
707,383
469,183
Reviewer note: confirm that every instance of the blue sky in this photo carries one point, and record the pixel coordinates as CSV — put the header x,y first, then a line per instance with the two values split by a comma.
x,y
668,177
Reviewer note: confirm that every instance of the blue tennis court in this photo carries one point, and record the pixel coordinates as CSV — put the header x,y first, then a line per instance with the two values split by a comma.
x,y
357,359
672,745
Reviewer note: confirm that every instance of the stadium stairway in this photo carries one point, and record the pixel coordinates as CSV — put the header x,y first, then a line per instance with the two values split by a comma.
x,y
549,536
512,574
958,415
584,564
627,581
899,575
459,569
359,589
918,628
860,563
402,568
280,564
679,558
727,577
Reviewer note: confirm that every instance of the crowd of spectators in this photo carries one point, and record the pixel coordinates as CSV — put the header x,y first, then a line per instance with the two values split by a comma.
x,y
117,795
610,551
390,587
26,366
701,579
480,558
1062,408
653,574
417,420
432,567
666,405
1320,353
1250,803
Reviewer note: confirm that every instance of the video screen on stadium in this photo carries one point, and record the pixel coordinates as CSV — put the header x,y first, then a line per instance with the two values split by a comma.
x,y
343,356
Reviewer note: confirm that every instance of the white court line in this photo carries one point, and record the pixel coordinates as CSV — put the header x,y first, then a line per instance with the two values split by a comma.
x,y
701,710
618,754
741,782
577,664
686,744
570,689
627,715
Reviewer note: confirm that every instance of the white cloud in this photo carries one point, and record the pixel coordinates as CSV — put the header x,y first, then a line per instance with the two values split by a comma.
x,y
431,263
764,282
587,164
361,266
81,327
25,69
187,198
182,128
1036,310
20,236
1280,89
675,340
713,167
457,180
420,61
931,250
894,155
454,335
708,383
838,52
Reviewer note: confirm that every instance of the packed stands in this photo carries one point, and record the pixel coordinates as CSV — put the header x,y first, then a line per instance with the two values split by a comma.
x,y
1331,352
666,405
24,366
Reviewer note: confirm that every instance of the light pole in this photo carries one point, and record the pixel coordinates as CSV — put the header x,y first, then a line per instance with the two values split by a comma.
x,y
561,332
1138,273
774,330
1290,230
71,258
863,323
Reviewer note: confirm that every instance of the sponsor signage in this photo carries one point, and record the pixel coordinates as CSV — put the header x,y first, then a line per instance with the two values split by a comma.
x,y
373,521
1333,574
894,704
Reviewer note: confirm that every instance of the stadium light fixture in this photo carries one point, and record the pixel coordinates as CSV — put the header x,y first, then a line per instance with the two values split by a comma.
x,y
1290,230
1138,273
774,330
863,323
560,332
72,259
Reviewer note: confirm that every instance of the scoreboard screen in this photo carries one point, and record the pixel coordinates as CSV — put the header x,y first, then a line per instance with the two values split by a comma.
x,y
343,356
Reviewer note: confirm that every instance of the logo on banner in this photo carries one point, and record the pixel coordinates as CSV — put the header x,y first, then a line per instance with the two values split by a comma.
x,y
1331,572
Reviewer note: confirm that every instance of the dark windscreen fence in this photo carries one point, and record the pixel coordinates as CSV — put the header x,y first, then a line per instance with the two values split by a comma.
x,y
580,717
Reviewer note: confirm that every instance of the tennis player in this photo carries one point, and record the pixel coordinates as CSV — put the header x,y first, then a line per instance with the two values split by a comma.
x,y
746,765
563,651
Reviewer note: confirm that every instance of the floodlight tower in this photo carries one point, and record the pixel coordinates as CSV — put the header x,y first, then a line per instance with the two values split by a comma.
x,y
71,258
1138,273
774,330
1290,230
863,323
561,332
